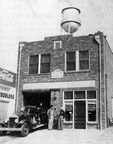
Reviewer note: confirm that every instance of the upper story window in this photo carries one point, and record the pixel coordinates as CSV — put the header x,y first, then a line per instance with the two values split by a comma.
x,y
71,61
39,64
45,63
84,60
78,60
33,64
57,44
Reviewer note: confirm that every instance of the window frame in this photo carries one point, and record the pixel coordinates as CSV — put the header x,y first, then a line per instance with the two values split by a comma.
x,y
68,102
77,61
88,101
39,64
84,60
33,64
70,61
55,42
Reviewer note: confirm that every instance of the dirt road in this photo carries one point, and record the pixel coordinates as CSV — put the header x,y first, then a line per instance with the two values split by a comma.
x,y
67,136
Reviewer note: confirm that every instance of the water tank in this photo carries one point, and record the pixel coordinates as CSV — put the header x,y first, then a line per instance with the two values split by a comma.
x,y
70,19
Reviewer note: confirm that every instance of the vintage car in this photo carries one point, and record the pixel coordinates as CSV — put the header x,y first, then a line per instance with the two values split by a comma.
x,y
30,118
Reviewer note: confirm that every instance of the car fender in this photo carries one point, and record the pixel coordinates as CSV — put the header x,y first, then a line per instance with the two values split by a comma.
x,y
22,121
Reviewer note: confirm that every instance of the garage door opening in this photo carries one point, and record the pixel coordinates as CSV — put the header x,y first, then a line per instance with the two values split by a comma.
x,y
37,99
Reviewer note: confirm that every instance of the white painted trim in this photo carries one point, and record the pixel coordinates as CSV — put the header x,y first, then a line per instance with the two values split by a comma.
x,y
65,61
77,60
57,42
39,63
56,85
112,106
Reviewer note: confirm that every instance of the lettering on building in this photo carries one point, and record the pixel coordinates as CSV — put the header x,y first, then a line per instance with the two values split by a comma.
x,y
5,95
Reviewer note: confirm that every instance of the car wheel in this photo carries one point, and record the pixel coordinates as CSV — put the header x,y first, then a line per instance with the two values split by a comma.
x,y
25,129
2,133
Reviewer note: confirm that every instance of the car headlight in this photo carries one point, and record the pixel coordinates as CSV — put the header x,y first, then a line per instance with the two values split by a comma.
x,y
16,120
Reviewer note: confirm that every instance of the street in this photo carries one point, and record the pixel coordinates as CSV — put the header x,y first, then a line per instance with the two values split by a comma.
x,y
67,136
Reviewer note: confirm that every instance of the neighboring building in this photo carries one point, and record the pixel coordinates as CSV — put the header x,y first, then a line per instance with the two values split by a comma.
x,y
7,93
73,72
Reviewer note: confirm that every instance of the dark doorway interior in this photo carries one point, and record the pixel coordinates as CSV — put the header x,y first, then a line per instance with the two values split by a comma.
x,y
37,99
80,114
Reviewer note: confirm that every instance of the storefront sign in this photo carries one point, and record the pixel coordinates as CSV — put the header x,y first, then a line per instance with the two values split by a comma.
x,y
5,95
7,78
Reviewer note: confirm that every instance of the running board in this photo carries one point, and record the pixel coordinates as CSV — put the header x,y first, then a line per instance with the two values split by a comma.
x,y
38,126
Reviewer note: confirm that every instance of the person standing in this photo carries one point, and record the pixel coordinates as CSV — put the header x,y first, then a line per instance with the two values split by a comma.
x,y
61,118
50,114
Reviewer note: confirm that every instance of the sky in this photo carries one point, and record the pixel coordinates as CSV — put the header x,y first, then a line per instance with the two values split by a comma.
x,y
32,20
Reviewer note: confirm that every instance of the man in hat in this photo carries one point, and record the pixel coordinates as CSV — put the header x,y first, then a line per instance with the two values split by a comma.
x,y
61,118
50,114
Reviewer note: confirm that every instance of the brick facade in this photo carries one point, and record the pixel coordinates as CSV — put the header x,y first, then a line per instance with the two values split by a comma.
x,y
69,44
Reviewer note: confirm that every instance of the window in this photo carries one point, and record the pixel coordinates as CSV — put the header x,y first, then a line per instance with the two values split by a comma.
x,y
91,95
79,95
39,64
68,112
71,61
45,63
57,44
68,95
33,64
91,111
83,60
77,60
89,99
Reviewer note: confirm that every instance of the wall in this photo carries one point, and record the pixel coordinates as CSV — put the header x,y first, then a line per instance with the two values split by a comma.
x,y
109,78
7,101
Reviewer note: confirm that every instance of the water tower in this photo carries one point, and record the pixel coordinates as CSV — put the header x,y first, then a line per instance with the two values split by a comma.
x,y
70,19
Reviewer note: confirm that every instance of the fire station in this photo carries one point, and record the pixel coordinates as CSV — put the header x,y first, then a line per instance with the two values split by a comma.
x,y
73,72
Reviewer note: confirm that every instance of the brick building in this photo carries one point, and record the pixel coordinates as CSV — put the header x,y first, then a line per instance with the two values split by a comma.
x,y
73,72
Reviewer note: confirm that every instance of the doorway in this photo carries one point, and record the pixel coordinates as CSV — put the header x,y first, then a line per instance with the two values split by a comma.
x,y
37,99
80,114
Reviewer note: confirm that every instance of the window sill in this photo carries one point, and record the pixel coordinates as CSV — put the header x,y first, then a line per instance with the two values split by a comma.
x,y
38,74
68,122
80,71
93,122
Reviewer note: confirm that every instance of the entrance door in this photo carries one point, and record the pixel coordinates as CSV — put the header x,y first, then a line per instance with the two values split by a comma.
x,y
80,114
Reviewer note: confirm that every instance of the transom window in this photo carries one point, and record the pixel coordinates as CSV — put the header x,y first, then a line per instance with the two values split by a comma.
x,y
79,95
39,64
68,95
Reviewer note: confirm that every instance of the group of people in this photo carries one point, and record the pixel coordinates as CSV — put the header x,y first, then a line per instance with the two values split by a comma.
x,y
50,114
